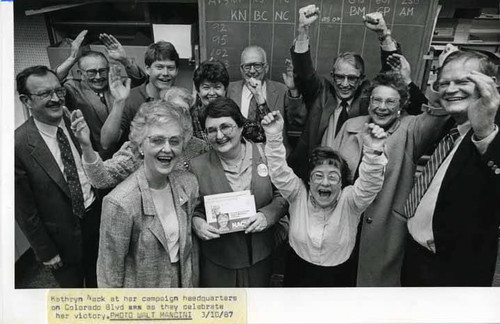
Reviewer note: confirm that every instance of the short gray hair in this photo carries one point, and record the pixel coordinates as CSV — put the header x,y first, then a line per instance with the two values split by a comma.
x,y
159,112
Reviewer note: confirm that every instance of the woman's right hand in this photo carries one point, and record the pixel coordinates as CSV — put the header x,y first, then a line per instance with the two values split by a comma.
x,y
80,128
204,231
272,123
374,136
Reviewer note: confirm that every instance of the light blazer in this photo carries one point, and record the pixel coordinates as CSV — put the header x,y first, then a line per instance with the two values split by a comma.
x,y
277,99
42,198
230,250
384,232
133,251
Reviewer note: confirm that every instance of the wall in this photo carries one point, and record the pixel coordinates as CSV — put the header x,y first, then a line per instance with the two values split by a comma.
x,y
30,42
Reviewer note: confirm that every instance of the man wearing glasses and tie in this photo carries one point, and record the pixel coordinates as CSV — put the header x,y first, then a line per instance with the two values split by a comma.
x,y
55,205
256,89
330,102
91,93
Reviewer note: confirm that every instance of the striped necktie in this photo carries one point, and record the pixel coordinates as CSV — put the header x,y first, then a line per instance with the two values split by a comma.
x,y
75,188
423,181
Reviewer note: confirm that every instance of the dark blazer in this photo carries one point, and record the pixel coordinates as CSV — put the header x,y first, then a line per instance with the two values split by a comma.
x,y
80,96
467,216
42,199
320,100
231,250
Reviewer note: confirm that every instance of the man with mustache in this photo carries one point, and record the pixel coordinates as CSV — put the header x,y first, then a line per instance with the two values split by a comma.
x,y
91,93
330,102
55,205
162,66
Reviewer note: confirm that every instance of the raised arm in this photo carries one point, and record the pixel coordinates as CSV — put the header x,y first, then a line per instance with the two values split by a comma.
x,y
117,52
371,169
281,174
295,108
63,69
307,79
111,130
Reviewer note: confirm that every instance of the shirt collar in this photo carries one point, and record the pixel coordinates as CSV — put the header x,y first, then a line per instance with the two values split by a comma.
x,y
349,102
46,129
464,128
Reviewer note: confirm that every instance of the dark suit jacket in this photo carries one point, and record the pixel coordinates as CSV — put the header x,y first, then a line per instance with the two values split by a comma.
x,y
277,99
80,96
42,199
231,250
320,99
467,216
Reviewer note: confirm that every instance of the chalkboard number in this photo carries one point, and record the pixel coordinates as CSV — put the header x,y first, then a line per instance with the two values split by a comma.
x,y
220,28
222,52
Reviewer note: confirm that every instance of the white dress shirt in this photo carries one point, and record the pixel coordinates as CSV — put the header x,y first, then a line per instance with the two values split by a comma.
x,y
246,96
49,135
420,225
331,129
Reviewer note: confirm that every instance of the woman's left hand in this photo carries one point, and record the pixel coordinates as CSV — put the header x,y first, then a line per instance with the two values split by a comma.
x,y
256,223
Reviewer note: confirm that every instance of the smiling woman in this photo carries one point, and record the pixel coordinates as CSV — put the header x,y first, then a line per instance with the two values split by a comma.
x,y
324,208
146,220
408,139
239,259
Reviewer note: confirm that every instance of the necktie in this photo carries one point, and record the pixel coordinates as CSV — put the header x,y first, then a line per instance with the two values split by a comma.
x,y
102,98
252,129
252,109
75,189
423,181
342,117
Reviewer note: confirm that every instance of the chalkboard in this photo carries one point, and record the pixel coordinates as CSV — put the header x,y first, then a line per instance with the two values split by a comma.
x,y
228,26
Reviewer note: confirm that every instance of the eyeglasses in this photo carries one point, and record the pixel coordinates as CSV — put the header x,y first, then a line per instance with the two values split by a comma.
x,y
390,103
225,129
317,177
257,66
445,84
92,73
339,78
159,141
60,92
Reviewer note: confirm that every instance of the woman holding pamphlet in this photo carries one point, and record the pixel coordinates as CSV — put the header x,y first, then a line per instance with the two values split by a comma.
x,y
145,235
325,210
236,168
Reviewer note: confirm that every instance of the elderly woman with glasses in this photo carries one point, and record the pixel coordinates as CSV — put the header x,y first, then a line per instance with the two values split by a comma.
x,y
238,259
383,229
109,173
145,236
324,208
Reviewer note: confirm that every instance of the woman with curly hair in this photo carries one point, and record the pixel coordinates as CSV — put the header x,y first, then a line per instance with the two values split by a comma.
x,y
383,227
